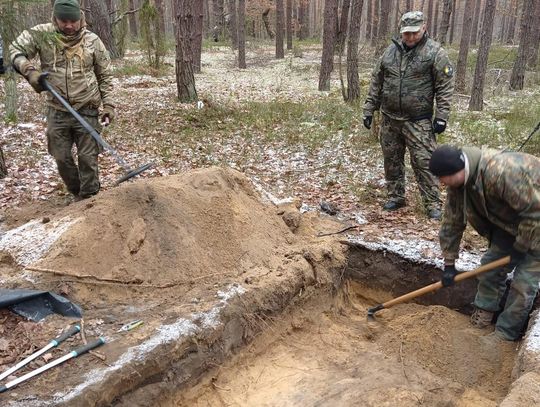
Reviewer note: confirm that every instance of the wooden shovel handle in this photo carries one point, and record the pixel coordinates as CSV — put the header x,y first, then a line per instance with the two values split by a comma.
x,y
435,286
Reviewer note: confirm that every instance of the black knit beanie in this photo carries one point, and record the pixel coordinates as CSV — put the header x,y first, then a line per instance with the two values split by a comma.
x,y
446,160
67,10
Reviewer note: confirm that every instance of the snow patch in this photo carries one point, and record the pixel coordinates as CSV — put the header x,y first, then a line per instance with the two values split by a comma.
x,y
166,334
29,242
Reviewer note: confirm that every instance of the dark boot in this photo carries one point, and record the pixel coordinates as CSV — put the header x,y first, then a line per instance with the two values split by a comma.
x,y
392,205
434,213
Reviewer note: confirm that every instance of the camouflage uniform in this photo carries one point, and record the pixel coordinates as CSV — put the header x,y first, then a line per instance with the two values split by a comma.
x,y
404,84
80,70
501,200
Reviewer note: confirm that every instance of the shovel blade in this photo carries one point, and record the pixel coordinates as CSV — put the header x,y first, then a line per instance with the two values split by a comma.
x,y
133,173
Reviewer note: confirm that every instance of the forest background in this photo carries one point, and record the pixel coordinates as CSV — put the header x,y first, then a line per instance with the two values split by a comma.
x,y
273,89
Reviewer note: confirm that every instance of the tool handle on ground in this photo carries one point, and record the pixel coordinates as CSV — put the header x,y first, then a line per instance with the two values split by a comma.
x,y
62,337
459,277
55,342
46,85
73,354
89,346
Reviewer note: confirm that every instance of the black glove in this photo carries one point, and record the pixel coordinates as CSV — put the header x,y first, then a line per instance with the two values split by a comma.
x,y
439,126
448,275
367,121
2,69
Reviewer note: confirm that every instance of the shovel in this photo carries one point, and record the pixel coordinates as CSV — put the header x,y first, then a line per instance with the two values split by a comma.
x,y
130,173
435,286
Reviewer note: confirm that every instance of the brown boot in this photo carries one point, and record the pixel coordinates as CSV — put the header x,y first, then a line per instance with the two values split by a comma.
x,y
481,318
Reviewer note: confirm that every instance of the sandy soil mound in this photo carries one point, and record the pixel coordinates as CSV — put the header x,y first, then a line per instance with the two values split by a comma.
x,y
171,230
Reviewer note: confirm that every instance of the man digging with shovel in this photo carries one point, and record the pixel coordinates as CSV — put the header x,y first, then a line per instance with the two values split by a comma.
x,y
498,193
78,66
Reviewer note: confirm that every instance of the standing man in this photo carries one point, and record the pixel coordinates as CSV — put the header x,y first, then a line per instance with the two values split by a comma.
x,y
79,68
410,74
498,193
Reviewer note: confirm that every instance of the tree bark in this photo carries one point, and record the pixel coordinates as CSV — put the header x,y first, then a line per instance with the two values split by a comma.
x,y
511,31
353,81
445,20
288,23
241,34
133,28
477,94
161,17
532,60
184,27
217,8
408,6
99,22
453,22
435,23
303,19
233,25
461,67
280,29
476,19
429,16
343,25
267,23
382,31
198,12
518,70
329,41
369,21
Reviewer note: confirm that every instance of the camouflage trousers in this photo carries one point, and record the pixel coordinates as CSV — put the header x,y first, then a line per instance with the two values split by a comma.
x,y
64,131
418,137
523,288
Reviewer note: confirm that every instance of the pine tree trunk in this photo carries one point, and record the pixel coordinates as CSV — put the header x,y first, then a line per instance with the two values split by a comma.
x,y
369,22
435,24
233,25
343,25
453,21
329,41
217,11
288,23
511,31
266,22
518,70
375,22
241,34
161,17
184,27
353,81
408,6
198,12
99,22
532,60
477,94
280,29
445,20
429,17
476,19
461,67
133,28
382,31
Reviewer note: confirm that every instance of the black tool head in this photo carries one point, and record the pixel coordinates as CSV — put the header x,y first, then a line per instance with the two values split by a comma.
x,y
134,173
371,311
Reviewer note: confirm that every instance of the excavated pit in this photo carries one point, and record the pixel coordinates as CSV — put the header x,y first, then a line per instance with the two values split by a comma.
x,y
322,351
244,304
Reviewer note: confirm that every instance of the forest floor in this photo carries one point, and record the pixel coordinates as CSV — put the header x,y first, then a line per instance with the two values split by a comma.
x,y
293,143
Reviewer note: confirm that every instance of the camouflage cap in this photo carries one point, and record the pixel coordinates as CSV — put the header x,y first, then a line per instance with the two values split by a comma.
x,y
411,21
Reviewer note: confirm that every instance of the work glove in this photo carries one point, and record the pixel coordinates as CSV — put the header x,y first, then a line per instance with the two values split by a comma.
x,y
367,121
2,69
33,79
439,126
448,275
107,116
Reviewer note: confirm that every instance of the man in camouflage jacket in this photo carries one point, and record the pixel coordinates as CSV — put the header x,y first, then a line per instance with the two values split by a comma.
x,y
498,193
409,76
79,68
